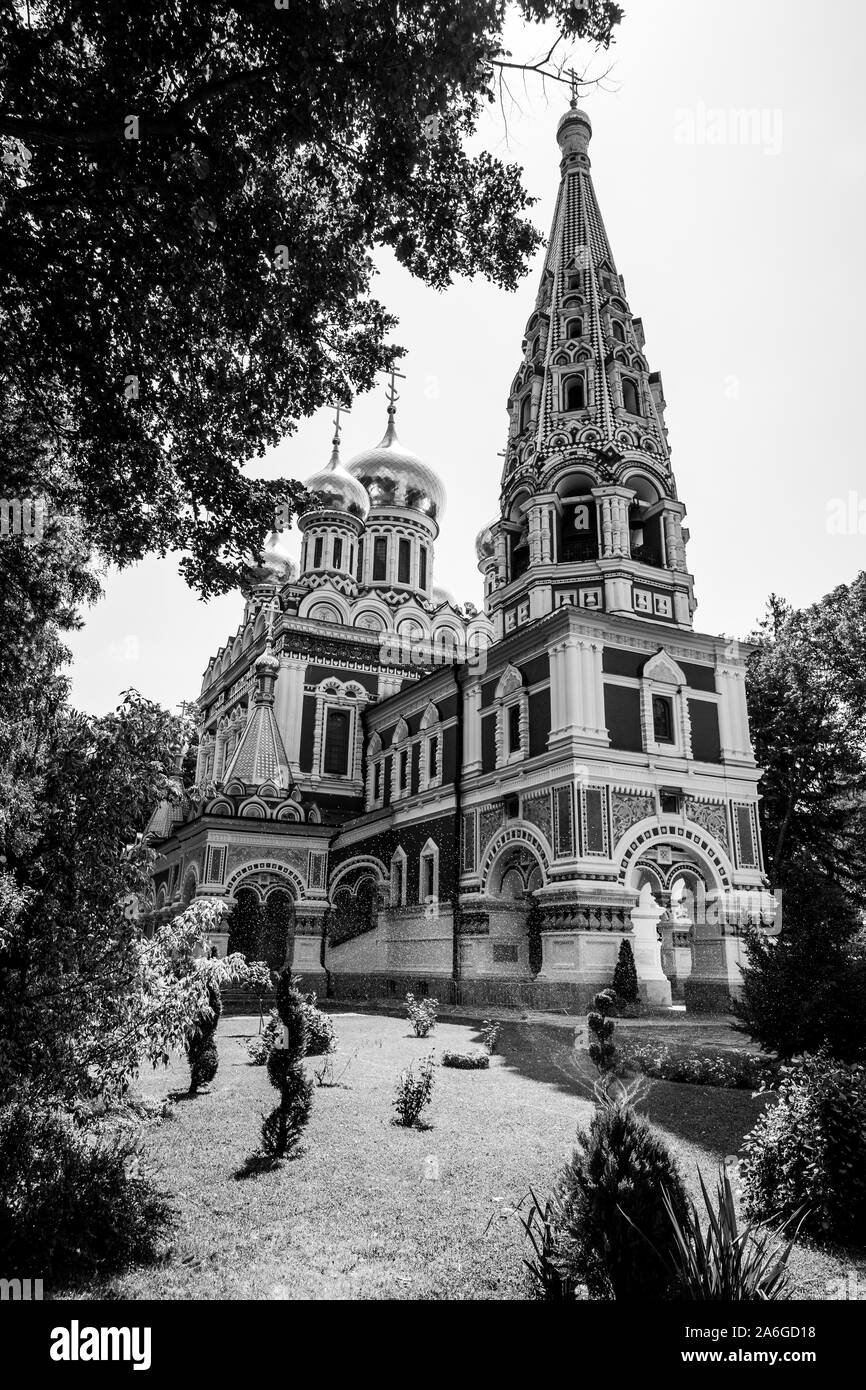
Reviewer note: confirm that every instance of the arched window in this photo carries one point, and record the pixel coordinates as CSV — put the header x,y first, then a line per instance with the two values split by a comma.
x,y
574,393
618,331
525,412
574,329
630,396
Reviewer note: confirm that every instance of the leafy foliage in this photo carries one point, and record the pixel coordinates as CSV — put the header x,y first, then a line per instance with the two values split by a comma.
x,y
188,210
624,983
490,1031
320,1033
709,1067
466,1061
201,1047
72,1204
421,1014
542,1226
726,1264
806,1151
414,1092
282,1129
615,1234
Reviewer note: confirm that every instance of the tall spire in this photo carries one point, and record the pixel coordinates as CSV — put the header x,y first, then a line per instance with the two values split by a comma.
x,y
588,495
582,326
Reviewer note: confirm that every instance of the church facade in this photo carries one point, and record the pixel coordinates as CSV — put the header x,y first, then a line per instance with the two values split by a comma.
x,y
483,806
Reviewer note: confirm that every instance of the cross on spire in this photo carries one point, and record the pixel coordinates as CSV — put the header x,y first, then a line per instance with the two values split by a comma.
x,y
338,410
393,395
572,77
272,612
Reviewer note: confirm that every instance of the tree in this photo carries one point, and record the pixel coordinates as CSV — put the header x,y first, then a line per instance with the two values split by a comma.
x,y
282,1129
187,214
625,985
807,698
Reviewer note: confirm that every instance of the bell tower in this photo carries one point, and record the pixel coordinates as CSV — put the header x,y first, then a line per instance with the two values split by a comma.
x,y
589,513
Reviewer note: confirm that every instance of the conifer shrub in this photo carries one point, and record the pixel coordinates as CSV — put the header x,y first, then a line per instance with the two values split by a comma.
x,y
534,923
282,1129
321,1037
615,1234
804,1157
602,1048
201,1048
625,985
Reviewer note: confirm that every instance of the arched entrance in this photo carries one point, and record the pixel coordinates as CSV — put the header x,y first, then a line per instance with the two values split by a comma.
x,y
262,923
514,869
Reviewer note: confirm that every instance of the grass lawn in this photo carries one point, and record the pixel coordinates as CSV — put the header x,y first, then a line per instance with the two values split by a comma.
x,y
354,1216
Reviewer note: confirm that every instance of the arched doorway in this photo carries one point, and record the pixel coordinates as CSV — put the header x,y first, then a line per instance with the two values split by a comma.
x,y
678,881
514,875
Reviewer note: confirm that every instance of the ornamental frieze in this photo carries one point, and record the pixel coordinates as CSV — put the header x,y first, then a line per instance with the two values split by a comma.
x,y
490,819
710,816
627,808
536,810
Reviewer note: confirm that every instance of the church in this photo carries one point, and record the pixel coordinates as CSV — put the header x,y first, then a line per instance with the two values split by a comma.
x,y
483,806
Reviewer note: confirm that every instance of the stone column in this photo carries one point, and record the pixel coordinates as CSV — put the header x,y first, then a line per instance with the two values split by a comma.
x,y
288,705
472,729
653,983
733,714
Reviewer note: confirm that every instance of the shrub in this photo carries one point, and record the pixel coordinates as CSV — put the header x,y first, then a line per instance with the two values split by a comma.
x,y
466,1061
282,1129
320,1030
625,976
806,1151
490,1031
320,1033
422,1014
734,1070
615,1231
72,1203
414,1090
602,1049
200,1044
727,1264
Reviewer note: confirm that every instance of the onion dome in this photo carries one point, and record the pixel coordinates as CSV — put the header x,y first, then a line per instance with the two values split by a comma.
x,y
335,490
485,547
574,131
395,477
275,567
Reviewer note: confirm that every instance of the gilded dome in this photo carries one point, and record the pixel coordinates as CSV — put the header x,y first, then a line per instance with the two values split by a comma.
x,y
484,544
336,490
276,566
395,477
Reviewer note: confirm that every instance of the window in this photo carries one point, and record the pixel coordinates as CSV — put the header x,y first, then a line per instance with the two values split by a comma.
x,y
432,757
670,802
377,781
404,562
380,557
525,412
336,762
514,728
404,769
397,881
338,553
428,877
317,553
422,567
663,719
574,282
360,559
574,329
618,331
630,396
574,393
536,344
512,807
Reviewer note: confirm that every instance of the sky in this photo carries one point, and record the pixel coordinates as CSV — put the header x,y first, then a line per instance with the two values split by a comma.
x,y
729,159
